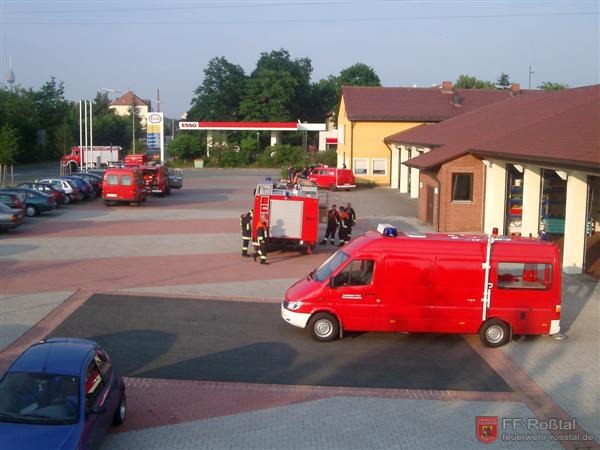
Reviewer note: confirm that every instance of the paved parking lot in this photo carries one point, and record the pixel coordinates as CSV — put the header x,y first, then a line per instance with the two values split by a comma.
x,y
185,248
204,340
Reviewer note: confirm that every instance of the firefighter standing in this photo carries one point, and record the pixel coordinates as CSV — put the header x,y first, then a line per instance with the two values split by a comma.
x,y
262,233
352,220
332,224
344,221
246,225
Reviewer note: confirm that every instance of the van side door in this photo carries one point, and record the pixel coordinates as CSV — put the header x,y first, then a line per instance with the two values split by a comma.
x,y
354,293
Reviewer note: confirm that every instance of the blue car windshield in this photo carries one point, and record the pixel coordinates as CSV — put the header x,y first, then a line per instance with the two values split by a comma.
x,y
330,265
39,398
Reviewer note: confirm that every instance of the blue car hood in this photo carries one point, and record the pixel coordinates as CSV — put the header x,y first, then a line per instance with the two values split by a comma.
x,y
23,436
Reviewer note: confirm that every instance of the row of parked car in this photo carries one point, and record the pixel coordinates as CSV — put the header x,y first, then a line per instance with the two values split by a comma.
x,y
34,198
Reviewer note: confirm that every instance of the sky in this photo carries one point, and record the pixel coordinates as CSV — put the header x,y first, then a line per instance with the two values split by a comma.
x,y
159,49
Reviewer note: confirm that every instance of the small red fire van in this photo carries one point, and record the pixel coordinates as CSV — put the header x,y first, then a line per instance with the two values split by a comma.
x,y
431,282
123,184
332,178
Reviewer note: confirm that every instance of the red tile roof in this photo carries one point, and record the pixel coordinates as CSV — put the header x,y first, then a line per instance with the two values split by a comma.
x,y
559,127
402,104
127,99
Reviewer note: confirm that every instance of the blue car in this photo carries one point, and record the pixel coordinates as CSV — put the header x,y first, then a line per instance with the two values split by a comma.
x,y
84,186
61,393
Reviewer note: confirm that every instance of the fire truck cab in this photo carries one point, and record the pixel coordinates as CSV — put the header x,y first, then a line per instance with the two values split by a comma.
x,y
292,216
431,283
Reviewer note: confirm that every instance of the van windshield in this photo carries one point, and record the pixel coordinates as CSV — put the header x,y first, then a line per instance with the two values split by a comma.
x,y
329,266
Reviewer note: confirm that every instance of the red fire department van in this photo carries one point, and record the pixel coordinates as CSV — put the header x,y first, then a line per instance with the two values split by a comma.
x,y
332,178
123,185
156,176
429,282
292,216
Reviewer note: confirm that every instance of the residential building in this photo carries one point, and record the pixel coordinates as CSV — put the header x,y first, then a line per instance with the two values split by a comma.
x,y
122,106
368,114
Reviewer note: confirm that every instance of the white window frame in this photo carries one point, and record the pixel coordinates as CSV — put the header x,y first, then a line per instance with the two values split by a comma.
x,y
355,165
373,160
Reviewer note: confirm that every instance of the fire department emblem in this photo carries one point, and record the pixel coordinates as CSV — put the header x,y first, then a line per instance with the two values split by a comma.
x,y
487,429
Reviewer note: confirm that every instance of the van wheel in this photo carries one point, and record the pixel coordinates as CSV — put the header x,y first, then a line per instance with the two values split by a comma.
x,y
324,327
332,187
494,333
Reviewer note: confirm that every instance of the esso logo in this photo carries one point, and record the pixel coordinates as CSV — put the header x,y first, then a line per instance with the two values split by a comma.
x,y
154,118
188,124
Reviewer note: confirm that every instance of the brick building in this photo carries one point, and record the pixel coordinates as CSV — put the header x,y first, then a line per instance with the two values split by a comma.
x,y
527,165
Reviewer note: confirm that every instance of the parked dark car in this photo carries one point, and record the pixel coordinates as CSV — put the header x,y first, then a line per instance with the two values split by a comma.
x,y
9,217
61,393
92,178
12,199
84,186
36,202
46,188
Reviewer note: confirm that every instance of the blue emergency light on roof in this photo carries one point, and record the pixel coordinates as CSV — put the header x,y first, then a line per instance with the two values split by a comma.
x,y
386,229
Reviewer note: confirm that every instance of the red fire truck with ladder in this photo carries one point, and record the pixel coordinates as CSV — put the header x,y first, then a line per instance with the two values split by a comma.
x,y
292,216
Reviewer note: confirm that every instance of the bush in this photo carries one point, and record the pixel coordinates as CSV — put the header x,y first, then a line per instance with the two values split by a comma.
x,y
187,146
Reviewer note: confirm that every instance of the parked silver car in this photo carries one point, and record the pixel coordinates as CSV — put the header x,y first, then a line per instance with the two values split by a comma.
x,y
9,217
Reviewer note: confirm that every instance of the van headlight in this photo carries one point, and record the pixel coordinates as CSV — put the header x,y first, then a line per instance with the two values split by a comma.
x,y
293,306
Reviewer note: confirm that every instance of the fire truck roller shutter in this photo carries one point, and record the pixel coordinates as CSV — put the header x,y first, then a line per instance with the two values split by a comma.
x,y
285,219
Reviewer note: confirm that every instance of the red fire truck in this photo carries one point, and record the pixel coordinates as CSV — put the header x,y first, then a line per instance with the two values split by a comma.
x,y
156,176
292,216
434,283
95,156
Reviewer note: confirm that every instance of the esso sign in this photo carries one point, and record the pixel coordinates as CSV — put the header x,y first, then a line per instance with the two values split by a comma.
x,y
154,118
189,125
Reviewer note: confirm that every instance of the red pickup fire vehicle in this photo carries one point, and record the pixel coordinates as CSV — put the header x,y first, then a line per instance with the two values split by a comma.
x,y
292,216
435,283
94,156
156,176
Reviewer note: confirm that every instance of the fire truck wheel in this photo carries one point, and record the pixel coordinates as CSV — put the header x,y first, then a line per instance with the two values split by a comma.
x,y
324,327
494,333
332,187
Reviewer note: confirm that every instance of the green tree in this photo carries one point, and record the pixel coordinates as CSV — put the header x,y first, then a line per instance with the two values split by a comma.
x,y
52,112
292,90
9,149
270,96
187,146
101,105
17,109
550,86
220,94
358,74
469,82
503,82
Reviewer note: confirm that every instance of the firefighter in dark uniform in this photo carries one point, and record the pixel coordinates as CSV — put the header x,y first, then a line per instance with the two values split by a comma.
x,y
246,225
352,220
344,222
262,233
332,224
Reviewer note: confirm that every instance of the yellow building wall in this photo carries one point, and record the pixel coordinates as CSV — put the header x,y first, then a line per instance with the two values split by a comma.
x,y
364,141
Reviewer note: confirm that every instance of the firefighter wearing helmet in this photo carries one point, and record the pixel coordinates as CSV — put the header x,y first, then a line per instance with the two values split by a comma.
x,y
262,233
246,225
